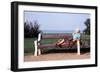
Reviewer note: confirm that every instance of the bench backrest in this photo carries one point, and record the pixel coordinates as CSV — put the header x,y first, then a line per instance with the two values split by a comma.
x,y
53,36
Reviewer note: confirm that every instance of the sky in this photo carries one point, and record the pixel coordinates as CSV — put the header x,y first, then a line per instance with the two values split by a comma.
x,y
57,21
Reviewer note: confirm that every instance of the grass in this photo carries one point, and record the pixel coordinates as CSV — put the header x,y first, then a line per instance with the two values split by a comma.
x,y
29,43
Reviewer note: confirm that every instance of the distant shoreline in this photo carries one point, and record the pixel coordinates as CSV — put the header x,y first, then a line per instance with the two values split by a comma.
x,y
56,31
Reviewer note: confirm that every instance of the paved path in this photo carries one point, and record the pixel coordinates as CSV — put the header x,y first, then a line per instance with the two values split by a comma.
x,y
56,56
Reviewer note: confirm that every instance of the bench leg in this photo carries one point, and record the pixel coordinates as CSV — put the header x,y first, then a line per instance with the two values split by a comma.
x,y
78,47
39,52
36,49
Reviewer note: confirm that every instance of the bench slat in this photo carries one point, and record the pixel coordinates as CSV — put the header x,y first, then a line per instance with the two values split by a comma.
x,y
58,36
47,46
54,46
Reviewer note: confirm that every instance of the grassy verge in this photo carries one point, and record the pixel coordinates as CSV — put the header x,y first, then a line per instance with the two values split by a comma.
x,y
29,45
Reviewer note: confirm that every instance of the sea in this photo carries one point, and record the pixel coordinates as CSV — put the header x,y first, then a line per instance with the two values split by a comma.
x,y
58,31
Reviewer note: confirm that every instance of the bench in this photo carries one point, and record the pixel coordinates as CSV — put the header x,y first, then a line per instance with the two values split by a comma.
x,y
38,45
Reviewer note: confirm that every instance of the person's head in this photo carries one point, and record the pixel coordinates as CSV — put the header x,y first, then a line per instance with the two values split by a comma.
x,y
77,30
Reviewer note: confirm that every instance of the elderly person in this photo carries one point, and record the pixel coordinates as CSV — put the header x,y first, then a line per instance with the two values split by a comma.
x,y
76,35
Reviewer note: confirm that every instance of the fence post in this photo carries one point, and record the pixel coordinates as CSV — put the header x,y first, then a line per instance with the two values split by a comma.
x,y
36,48
39,52
78,47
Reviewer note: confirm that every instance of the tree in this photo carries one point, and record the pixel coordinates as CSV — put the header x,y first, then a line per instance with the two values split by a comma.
x,y
87,24
31,29
26,30
35,29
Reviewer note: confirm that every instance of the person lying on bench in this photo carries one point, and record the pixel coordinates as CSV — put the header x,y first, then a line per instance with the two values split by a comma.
x,y
71,42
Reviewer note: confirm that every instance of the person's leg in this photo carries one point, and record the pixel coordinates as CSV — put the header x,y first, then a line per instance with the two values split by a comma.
x,y
60,42
58,45
63,45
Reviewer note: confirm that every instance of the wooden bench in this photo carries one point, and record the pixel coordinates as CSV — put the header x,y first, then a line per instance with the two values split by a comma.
x,y
39,46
